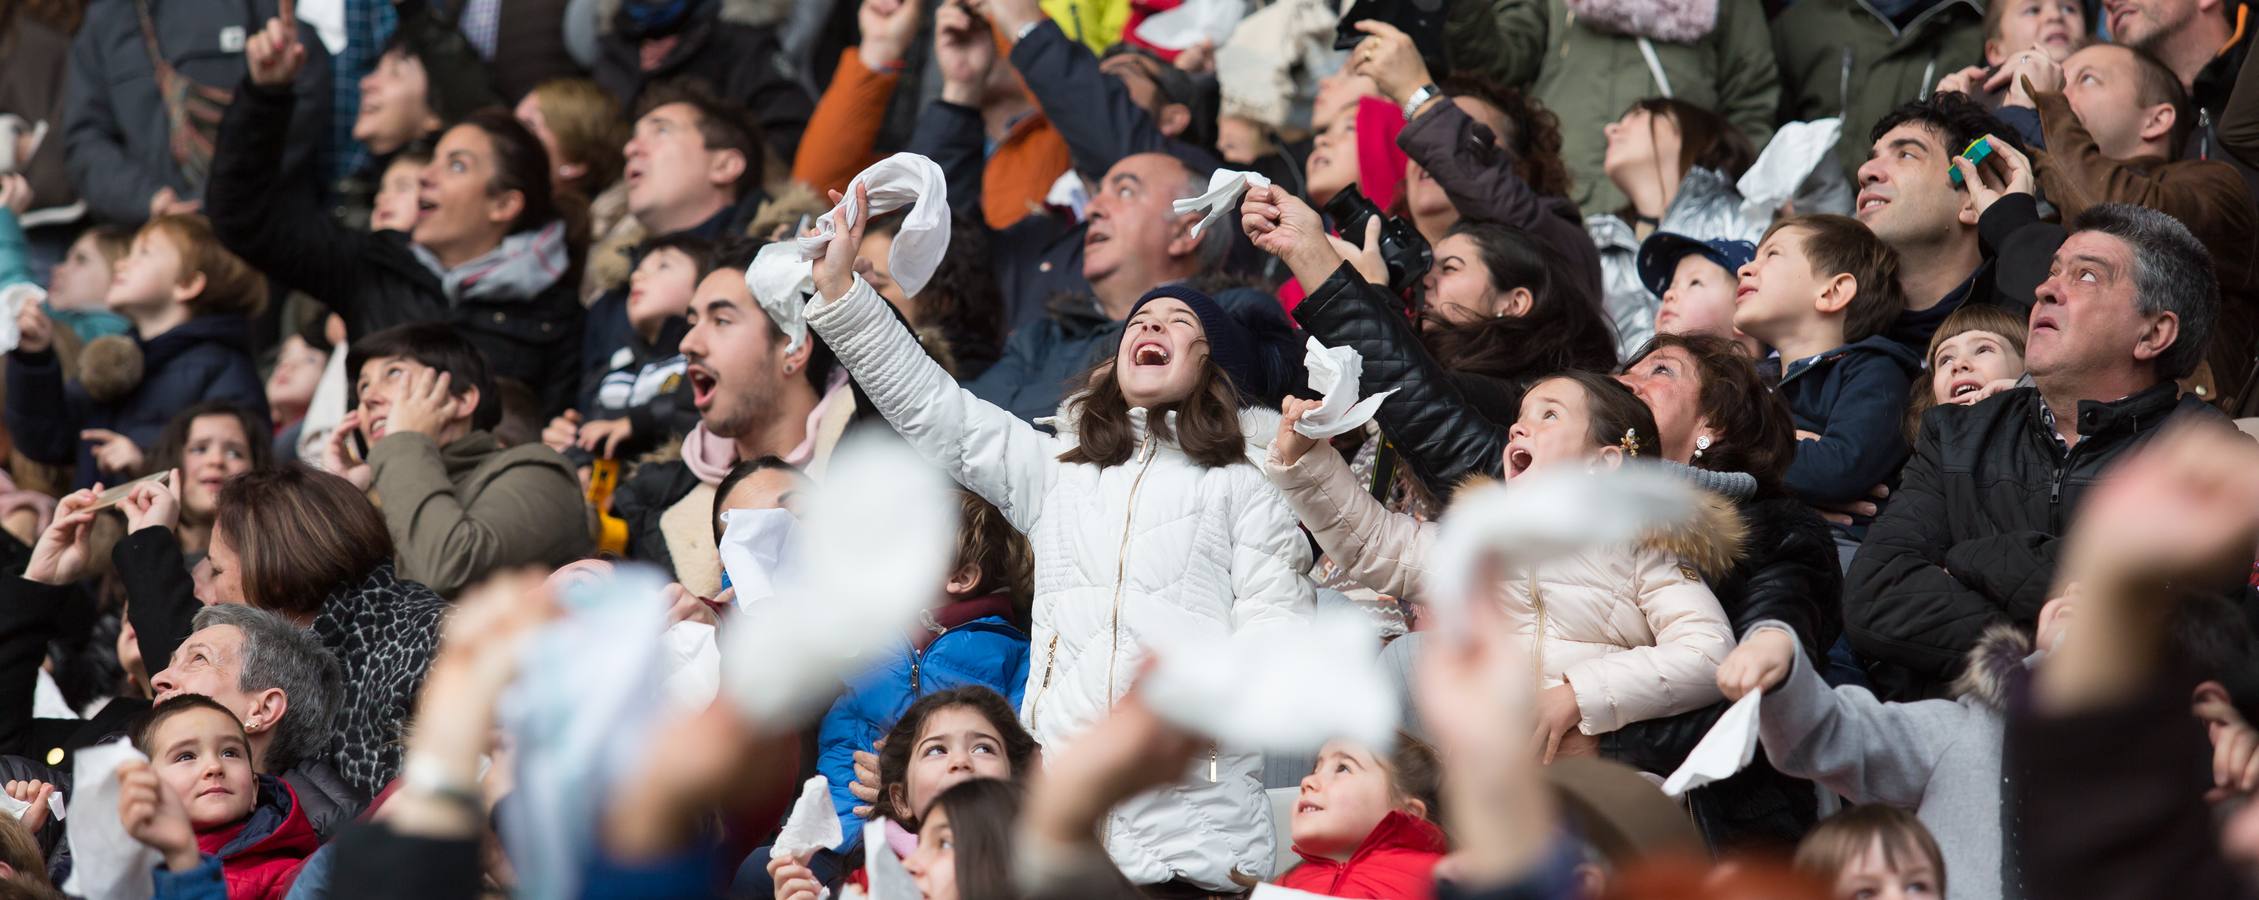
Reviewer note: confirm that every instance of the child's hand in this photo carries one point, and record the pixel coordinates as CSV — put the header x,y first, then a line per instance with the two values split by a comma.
x,y
422,408
1761,662
337,453
1290,445
36,794
113,452
154,816
866,784
35,331
15,193
793,879
603,436
1557,716
563,432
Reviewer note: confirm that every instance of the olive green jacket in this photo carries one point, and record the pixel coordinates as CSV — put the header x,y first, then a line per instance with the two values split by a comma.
x,y
1831,50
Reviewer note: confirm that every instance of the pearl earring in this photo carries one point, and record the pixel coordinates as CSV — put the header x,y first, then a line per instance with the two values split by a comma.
x,y
1700,444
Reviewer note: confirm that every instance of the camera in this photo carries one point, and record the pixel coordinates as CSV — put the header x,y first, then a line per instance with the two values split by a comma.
x,y
1407,253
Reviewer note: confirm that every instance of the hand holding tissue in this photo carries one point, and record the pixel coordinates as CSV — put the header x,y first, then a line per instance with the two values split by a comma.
x,y
1224,188
781,277
813,825
1334,372
1727,749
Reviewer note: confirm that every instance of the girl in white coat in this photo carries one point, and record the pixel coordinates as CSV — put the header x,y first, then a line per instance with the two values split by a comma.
x,y
1150,523
1620,634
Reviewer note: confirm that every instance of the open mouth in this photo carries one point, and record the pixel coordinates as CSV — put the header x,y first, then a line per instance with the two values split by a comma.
x,y
1963,388
1094,237
1871,202
375,428
212,484
702,383
1307,806
1149,353
1518,461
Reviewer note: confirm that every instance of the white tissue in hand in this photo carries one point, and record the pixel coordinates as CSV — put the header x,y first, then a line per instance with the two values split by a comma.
x,y
1333,374
1727,749
13,299
813,825
1544,515
757,548
781,279
692,663
15,808
875,543
108,864
1191,22
1222,198
889,880
1287,689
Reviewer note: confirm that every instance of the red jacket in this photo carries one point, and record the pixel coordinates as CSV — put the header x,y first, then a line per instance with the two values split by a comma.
x,y
1396,862
260,856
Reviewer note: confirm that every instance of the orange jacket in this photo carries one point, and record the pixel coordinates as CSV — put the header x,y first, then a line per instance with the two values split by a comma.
x,y
844,129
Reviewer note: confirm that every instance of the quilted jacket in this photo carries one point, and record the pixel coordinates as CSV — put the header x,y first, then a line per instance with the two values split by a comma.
x,y
1126,556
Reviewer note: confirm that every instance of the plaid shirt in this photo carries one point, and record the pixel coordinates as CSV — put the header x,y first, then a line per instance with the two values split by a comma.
x,y
368,24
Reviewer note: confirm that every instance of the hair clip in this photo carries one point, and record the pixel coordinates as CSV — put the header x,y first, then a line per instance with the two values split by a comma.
x,y
1630,443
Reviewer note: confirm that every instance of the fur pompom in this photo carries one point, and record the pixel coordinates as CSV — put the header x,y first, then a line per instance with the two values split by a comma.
x,y
110,367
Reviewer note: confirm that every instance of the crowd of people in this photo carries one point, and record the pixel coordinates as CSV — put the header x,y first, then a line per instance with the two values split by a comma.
x,y
355,346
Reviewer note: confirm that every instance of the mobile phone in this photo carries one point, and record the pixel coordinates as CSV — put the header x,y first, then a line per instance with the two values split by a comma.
x,y
1976,153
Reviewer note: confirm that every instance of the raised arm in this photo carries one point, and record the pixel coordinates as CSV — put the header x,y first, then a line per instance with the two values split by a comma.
x,y
1094,112
950,131
1845,739
845,125
1381,550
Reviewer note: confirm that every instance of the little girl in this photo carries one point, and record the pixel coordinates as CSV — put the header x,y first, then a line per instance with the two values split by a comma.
x,y
1149,523
1620,635
1874,850
197,802
1977,352
1364,824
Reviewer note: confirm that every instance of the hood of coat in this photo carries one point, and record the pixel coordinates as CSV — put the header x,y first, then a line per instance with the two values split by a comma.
x,y
1713,541
1995,663
1676,21
276,829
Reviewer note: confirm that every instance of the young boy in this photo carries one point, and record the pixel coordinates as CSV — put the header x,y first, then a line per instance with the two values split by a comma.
x,y
218,825
1821,292
189,301
641,399
1695,280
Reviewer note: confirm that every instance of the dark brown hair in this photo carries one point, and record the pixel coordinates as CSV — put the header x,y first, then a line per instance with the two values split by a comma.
x,y
1707,140
988,542
300,534
1535,137
1416,773
112,241
434,346
963,298
2157,84
1841,839
19,849
1206,429
1756,433
520,164
722,124
1970,317
1841,245
145,732
1560,331
173,443
901,740
982,813
230,284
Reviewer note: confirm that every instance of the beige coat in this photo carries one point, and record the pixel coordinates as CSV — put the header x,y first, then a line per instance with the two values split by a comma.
x,y
1633,631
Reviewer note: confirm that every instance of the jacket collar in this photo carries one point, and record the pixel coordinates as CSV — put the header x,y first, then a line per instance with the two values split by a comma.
x,y
1396,831
2134,413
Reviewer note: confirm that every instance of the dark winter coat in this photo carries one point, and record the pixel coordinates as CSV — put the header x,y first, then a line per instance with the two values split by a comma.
x,y
375,281
1047,359
1478,176
1092,111
1035,260
257,862
384,632
204,358
1842,58
742,63
1854,398
1971,535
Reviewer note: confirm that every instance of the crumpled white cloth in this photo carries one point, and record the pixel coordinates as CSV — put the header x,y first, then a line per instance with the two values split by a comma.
x,y
1333,374
1727,749
757,548
108,863
1191,22
781,276
17,808
1222,198
813,825
13,299
1789,158
1287,689
693,665
876,538
1069,193
1542,515
889,880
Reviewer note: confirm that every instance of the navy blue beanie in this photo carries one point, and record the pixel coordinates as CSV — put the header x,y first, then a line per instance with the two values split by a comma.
x,y
1229,344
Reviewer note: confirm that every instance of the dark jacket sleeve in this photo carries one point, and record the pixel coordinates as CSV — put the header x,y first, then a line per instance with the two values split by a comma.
x,y
256,217
376,863
952,136
160,597
40,416
1478,175
1441,435
27,621
1093,112
1903,601
2022,248
2239,120
2154,836
115,186
1865,438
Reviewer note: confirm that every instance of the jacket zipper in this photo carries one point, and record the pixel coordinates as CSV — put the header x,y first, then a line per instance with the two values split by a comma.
x,y
1121,566
1050,658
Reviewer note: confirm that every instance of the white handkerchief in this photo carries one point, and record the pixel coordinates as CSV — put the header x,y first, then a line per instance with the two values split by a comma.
x,y
889,880
13,299
875,542
1727,749
1794,151
779,276
16,808
757,547
1333,374
1222,198
693,665
108,863
1191,22
1287,689
813,825
1544,515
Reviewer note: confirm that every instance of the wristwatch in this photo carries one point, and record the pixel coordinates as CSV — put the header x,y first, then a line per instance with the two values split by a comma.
x,y
1420,98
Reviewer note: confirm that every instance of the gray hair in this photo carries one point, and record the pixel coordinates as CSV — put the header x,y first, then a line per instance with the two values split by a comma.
x,y
279,654
2172,273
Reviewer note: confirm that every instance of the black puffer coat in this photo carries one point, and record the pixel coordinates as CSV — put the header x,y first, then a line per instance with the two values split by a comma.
x,y
1971,534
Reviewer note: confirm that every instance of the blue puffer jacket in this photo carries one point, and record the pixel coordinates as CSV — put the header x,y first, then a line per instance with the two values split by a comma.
x,y
984,651
204,358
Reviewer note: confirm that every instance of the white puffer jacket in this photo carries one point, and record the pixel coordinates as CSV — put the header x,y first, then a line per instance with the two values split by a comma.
x,y
1125,557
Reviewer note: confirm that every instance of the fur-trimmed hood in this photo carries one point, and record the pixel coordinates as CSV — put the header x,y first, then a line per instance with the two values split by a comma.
x,y
1713,542
1676,21
1995,663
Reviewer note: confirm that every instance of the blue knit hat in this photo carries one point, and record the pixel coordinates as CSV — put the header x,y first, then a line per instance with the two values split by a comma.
x,y
1659,257
1229,344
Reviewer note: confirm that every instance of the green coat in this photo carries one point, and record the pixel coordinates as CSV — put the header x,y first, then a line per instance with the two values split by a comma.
x,y
1830,47
1589,78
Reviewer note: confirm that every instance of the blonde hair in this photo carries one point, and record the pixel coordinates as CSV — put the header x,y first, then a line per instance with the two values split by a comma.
x,y
1841,839
1974,317
230,284
586,121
